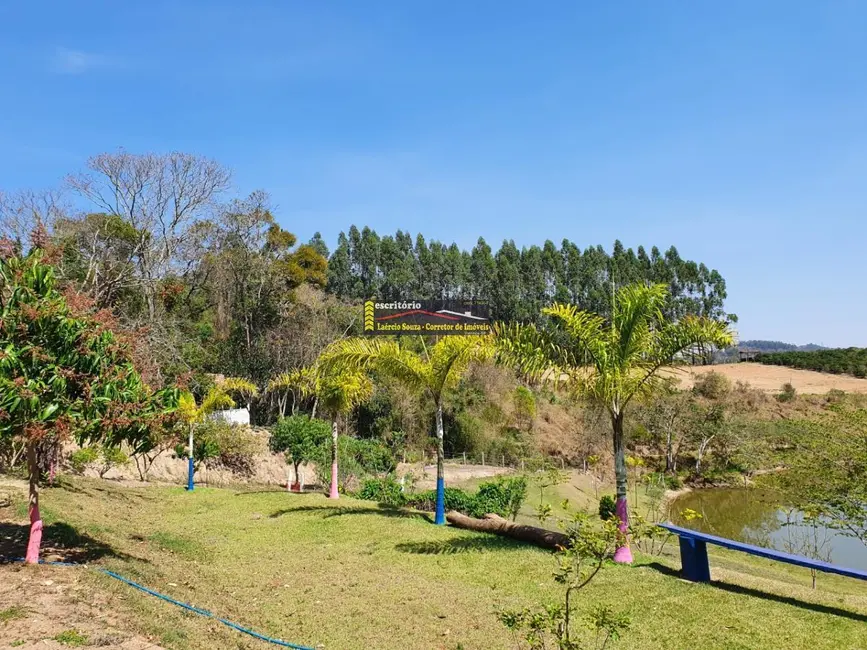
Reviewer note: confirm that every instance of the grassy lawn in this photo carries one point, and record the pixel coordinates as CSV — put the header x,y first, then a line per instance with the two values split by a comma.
x,y
347,575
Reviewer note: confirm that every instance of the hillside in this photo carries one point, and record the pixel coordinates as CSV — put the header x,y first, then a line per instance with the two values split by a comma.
x,y
771,378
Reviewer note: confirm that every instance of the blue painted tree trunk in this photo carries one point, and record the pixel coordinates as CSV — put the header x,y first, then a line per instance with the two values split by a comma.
x,y
190,467
440,516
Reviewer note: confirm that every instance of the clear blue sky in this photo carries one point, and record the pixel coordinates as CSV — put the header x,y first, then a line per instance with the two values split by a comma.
x,y
736,131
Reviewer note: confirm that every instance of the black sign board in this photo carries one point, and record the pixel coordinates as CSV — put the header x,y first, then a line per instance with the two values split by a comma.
x,y
425,317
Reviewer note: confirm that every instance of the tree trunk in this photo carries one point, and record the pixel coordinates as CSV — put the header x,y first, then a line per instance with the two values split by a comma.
x,y
498,526
333,494
623,554
440,516
35,540
315,403
702,448
669,453
191,467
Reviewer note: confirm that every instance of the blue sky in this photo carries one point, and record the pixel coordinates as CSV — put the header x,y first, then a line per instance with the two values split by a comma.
x,y
736,131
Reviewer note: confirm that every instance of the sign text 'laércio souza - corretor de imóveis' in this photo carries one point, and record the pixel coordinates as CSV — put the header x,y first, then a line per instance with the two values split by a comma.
x,y
423,317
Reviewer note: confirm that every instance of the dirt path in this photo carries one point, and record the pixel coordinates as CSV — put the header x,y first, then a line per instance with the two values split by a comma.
x,y
40,604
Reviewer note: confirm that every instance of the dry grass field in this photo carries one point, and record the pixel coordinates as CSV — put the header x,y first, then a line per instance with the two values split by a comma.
x,y
771,378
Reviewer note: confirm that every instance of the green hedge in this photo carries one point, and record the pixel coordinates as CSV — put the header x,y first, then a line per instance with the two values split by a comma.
x,y
502,496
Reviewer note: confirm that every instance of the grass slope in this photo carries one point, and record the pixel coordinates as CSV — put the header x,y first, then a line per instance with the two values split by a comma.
x,y
347,575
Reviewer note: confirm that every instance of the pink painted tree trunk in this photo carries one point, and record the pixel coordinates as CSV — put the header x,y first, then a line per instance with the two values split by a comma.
x,y
333,494
35,541
623,554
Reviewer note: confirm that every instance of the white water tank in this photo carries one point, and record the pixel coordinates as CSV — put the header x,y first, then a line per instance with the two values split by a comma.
x,y
233,416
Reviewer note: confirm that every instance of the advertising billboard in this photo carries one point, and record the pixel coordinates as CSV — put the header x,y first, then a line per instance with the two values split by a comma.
x,y
425,317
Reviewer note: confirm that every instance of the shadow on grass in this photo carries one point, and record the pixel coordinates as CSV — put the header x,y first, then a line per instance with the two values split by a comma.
x,y
340,511
58,539
484,544
764,595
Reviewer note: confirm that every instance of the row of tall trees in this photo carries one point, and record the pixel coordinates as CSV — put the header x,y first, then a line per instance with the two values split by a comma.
x,y
517,283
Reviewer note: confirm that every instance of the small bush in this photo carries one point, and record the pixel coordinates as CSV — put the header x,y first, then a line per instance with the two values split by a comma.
x,y
386,491
673,482
712,385
787,393
455,498
235,446
356,460
502,496
607,507
80,459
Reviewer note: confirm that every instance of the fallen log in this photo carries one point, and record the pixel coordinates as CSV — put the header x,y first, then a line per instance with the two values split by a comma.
x,y
499,526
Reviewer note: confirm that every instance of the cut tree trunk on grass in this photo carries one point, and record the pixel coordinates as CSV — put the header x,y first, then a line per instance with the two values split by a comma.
x,y
505,528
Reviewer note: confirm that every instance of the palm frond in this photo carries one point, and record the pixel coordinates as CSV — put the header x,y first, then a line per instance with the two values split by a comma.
x,y
239,385
452,355
364,354
342,391
216,400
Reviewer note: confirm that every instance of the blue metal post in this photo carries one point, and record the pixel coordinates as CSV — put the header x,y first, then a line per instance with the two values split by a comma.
x,y
440,517
190,474
693,559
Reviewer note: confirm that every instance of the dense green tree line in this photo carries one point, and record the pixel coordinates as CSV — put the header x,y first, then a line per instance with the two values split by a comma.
x,y
851,361
517,283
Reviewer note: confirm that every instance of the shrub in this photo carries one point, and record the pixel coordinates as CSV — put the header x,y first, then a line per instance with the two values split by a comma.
x,y
356,459
221,444
455,498
712,385
80,459
102,457
607,507
299,437
386,491
787,394
502,496
525,407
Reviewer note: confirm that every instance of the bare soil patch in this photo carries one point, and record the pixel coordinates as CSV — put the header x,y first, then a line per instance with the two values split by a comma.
x,y
771,378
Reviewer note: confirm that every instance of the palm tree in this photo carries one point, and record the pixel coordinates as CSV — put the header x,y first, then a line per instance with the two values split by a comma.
x,y
610,361
432,372
300,383
218,398
340,390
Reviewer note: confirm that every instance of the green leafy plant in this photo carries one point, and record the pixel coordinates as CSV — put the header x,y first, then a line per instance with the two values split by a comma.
x,y
607,507
299,437
64,372
385,491
502,496
12,613
72,638
554,624
787,393
81,459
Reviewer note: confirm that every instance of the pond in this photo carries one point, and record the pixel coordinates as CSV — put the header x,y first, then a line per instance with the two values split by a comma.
x,y
757,517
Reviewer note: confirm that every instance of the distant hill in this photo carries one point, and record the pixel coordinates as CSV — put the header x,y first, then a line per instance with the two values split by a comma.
x,y
778,346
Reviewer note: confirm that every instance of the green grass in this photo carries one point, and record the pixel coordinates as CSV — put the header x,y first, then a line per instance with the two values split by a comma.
x,y
348,575
12,613
72,638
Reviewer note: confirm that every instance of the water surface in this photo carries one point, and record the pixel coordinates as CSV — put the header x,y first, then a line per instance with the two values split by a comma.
x,y
759,517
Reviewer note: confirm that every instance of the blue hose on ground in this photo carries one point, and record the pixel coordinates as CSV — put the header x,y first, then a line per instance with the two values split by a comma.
x,y
190,608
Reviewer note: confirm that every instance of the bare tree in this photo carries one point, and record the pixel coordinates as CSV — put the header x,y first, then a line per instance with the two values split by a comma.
x,y
23,210
160,195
